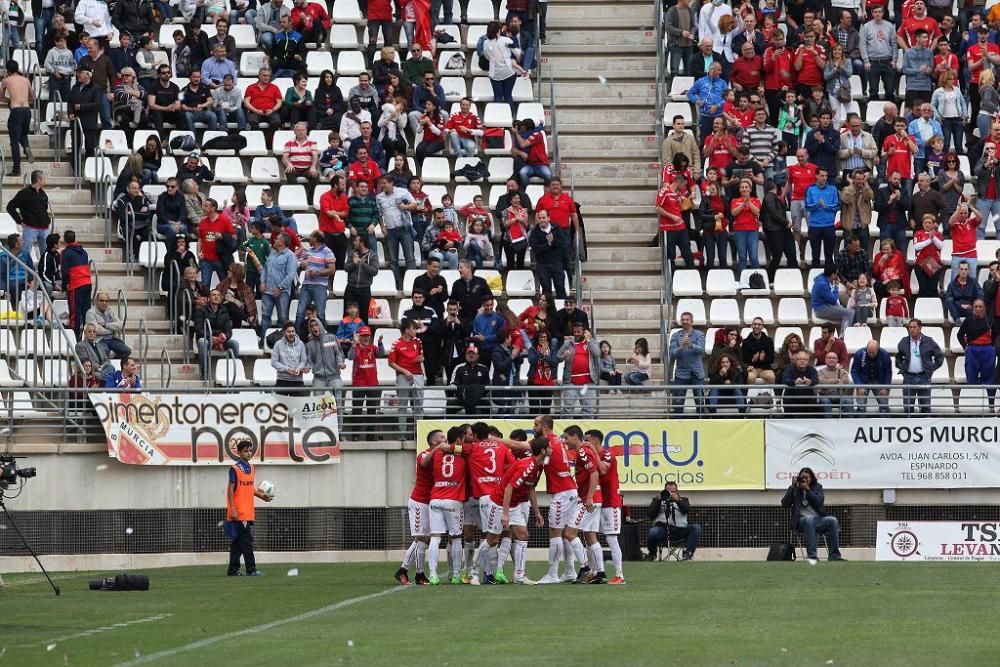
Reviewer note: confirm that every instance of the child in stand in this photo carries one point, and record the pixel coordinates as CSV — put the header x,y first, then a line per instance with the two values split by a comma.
x,y
239,215
711,176
862,301
935,156
145,63
780,165
257,249
349,326
448,208
476,211
448,242
818,104
641,364
81,50
769,25
609,370
729,108
897,310
333,161
61,66
50,264
32,305
515,233
478,248
13,24
364,380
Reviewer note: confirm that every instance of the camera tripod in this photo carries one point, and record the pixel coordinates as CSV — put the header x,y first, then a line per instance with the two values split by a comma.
x,y
25,541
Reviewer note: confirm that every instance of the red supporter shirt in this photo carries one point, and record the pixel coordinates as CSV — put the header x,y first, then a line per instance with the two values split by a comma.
x,y
744,118
975,52
558,478
209,232
488,461
330,202
405,353
669,175
778,69
425,480
963,236
522,477
720,156
536,149
379,10
930,250
364,372
581,364
560,209
368,172
609,480
468,122
300,156
908,31
428,135
811,73
670,202
449,477
264,98
900,160
586,464
746,221
801,177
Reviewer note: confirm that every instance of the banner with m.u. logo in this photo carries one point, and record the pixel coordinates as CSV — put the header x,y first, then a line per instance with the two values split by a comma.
x,y
710,455
148,428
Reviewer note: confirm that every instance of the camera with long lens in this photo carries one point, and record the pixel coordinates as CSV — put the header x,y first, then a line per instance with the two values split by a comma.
x,y
10,472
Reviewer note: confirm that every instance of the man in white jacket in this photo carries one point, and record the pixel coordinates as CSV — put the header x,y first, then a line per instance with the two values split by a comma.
x,y
95,18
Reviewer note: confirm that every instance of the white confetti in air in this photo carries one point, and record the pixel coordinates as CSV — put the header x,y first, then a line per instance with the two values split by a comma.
x,y
602,79
350,642
128,531
50,647
103,466
294,572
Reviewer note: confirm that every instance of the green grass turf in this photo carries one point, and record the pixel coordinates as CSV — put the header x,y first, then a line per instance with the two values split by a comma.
x,y
699,613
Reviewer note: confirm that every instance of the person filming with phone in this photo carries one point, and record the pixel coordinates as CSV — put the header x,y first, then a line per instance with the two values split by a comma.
x,y
805,498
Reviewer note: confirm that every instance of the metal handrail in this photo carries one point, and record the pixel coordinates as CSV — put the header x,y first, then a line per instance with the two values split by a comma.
x,y
230,367
122,307
3,170
95,276
658,18
538,59
143,341
57,101
578,242
188,312
666,305
206,331
76,136
553,115
104,211
151,264
129,215
175,280
36,86
165,363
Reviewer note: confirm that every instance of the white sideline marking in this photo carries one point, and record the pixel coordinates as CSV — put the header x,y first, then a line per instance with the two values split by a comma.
x,y
95,631
152,657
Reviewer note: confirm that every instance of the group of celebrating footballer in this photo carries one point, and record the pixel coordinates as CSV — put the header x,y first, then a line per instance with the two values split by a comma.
x,y
473,479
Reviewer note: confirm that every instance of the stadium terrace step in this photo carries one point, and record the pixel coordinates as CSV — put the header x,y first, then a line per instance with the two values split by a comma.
x,y
624,173
630,266
612,93
557,22
643,254
620,239
573,116
598,192
638,67
578,143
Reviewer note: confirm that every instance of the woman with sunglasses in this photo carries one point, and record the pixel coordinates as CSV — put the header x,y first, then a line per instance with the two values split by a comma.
x,y
950,182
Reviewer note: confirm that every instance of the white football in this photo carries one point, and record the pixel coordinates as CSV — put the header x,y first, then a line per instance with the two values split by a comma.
x,y
267,488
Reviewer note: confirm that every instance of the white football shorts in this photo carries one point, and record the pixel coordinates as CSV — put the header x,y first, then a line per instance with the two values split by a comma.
x,y
611,520
471,517
561,508
584,520
446,516
420,518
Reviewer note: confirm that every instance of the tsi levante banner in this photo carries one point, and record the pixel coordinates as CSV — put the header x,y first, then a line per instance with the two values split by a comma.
x,y
198,429
706,455
885,453
938,540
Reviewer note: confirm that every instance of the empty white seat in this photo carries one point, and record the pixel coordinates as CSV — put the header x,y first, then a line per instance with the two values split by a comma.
x,y
114,142
63,342
464,194
435,170
532,110
482,90
152,254
855,338
221,193
264,374
343,36
317,61
251,62
973,400
889,338
408,278
230,373
788,282
522,91
724,312
720,283
97,170
229,170
497,115
520,282
7,380
500,168
694,306
384,284
34,342
757,307
293,198
671,109
55,372
243,35
350,63
454,88
929,310
265,170
679,85
942,401
687,282
745,288
472,35
346,11
792,311
480,11
248,341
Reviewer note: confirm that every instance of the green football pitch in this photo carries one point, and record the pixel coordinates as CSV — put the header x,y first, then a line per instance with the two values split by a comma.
x,y
697,613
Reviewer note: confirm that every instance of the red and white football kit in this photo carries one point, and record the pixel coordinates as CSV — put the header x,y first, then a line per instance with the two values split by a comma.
x,y
521,477
448,493
417,505
488,461
611,505
587,521
560,485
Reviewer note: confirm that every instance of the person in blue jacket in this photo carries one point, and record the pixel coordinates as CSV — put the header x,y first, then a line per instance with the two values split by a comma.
x,y
825,298
822,202
872,366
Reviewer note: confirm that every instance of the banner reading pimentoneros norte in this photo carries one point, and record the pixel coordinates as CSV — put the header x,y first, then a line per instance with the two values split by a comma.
x,y
196,429
706,455
885,453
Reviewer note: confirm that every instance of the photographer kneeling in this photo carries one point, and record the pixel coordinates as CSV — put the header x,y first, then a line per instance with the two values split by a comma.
x,y
805,497
669,513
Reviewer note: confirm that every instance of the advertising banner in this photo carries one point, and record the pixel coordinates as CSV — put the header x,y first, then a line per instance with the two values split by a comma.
x,y
150,428
698,455
885,453
938,540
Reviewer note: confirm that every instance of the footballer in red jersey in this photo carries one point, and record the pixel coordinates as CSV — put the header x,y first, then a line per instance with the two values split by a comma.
x,y
611,506
419,511
586,517
559,484
509,503
447,502
489,457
